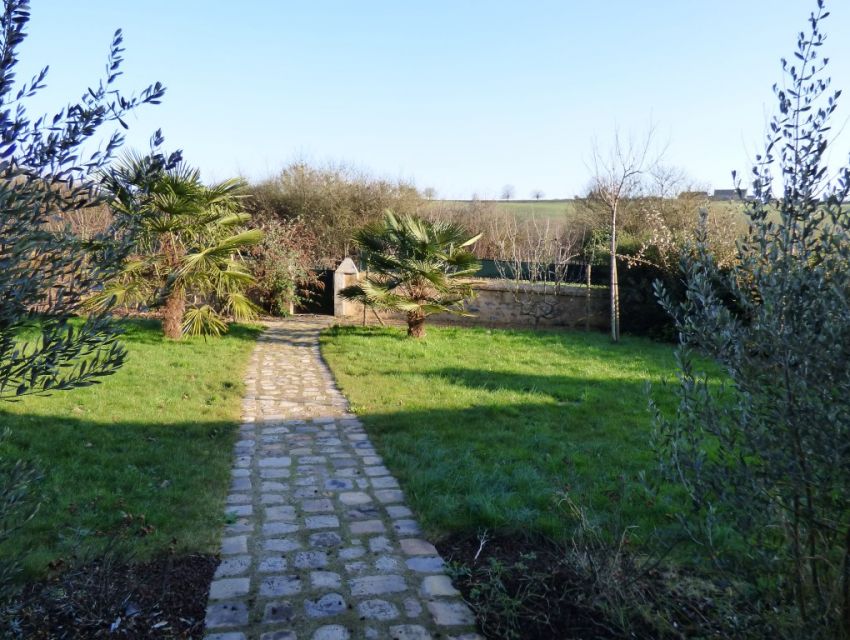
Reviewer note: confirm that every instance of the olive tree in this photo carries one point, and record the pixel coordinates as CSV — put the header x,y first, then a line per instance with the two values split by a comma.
x,y
44,269
765,456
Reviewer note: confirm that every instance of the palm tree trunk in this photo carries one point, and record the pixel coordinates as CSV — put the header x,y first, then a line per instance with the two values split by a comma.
x,y
172,320
416,324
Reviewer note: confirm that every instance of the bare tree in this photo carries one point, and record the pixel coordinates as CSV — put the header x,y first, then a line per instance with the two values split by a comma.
x,y
430,193
537,194
618,177
507,192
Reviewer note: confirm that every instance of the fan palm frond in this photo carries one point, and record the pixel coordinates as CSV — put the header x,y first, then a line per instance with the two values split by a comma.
x,y
416,266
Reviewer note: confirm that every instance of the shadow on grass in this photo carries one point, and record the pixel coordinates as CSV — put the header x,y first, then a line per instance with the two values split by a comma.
x,y
163,484
149,331
507,467
559,387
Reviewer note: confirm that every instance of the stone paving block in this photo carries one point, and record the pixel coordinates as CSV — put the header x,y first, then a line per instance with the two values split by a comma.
x,y
279,528
367,526
437,587
227,635
317,505
364,512
275,586
350,472
282,545
353,498
387,564
226,614
280,513
357,568
380,544
417,547
234,545
325,580
399,511
452,613
352,553
407,527
376,471
272,564
310,560
242,525
326,539
229,588
272,474
233,566
239,510
277,612
377,610
426,564
388,496
321,522
279,635
330,604
377,585
409,632
384,482
332,632
241,484
339,484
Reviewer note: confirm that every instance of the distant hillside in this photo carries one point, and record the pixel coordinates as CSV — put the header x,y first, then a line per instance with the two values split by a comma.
x,y
561,209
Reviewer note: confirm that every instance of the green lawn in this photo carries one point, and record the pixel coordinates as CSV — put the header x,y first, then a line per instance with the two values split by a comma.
x,y
153,440
484,427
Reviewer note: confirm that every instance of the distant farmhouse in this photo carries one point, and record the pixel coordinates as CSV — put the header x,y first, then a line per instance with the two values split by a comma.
x,y
725,195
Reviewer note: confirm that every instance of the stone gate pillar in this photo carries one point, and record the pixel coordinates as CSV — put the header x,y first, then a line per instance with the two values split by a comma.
x,y
345,275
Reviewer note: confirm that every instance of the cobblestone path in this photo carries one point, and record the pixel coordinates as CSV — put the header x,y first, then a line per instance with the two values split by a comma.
x,y
320,544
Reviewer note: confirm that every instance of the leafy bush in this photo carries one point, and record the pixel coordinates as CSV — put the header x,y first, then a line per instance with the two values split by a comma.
x,y
283,267
330,204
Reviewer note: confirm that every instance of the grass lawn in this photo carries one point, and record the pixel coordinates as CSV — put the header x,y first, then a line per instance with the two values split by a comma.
x,y
153,440
484,427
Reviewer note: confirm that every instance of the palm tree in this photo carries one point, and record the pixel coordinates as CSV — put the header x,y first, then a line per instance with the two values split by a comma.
x,y
415,266
188,238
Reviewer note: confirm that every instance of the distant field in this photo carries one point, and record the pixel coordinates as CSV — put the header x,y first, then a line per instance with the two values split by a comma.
x,y
558,209
526,208
540,208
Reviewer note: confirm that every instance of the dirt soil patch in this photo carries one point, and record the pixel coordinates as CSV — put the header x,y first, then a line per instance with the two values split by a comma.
x,y
535,589
163,598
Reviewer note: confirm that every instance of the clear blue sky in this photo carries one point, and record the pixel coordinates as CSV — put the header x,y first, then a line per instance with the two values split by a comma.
x,y
457,95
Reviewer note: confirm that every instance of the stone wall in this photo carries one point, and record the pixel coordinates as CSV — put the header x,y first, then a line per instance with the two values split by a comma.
x,y
502,303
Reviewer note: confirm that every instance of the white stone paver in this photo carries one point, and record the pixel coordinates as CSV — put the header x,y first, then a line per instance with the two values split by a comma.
x,y
320,545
